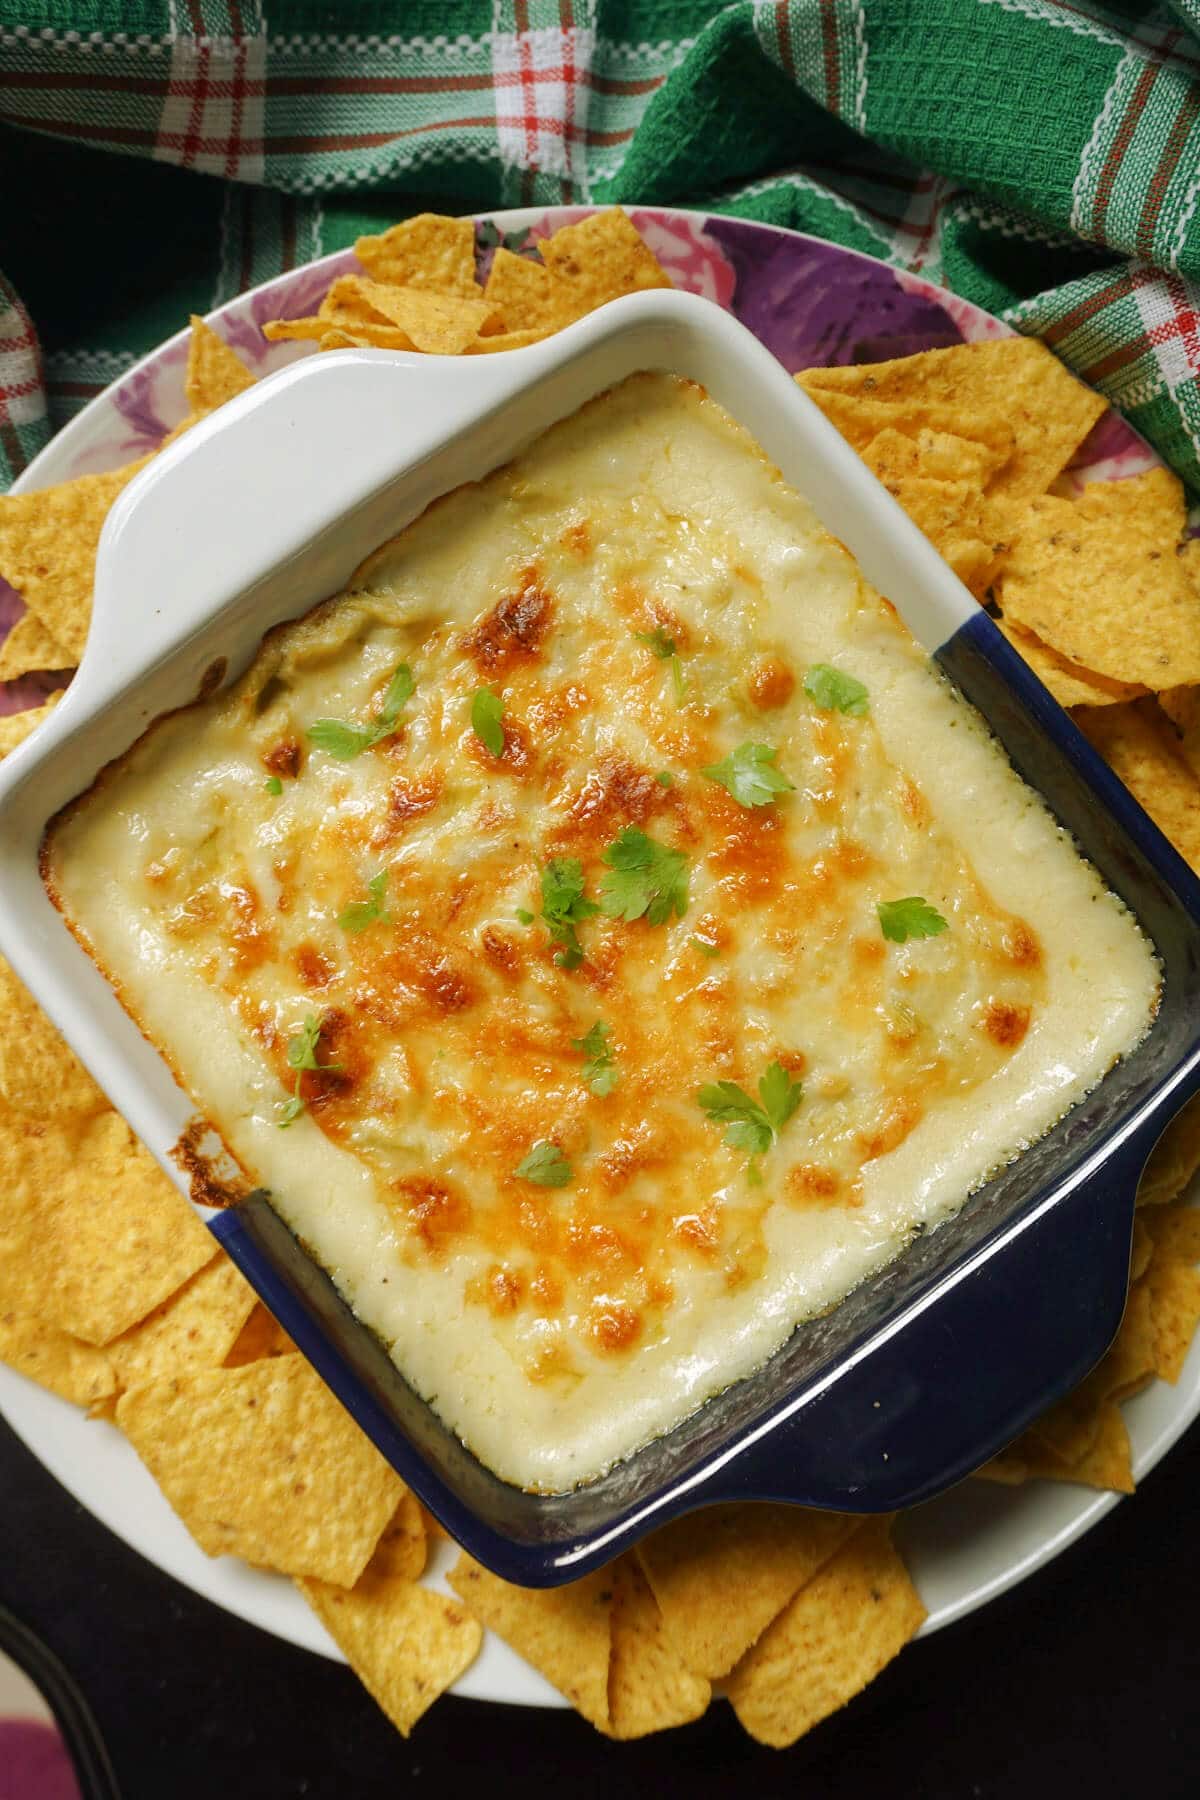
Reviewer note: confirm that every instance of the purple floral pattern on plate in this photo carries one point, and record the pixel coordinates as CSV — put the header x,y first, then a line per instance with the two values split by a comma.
x,y
811,303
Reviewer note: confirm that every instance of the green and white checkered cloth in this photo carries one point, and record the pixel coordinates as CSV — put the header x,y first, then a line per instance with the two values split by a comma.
x,y
1040,157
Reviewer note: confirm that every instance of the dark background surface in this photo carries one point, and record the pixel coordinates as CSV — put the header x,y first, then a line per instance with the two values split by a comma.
x,y
1084,1681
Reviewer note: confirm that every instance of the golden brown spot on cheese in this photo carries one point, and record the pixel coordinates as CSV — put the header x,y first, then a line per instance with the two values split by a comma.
x,y
251,941
549,712
436,1211
546,1289
284,758
577,538
613,1326
700,1231
516,753
314,969
913,803
516,627
615,793
751,857
1021,945
409,798
813,1181
504,1290
771,684
501,950
896,1119
1005,1023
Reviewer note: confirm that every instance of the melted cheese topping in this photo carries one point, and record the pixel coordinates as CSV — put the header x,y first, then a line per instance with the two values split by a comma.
x,y
557,1329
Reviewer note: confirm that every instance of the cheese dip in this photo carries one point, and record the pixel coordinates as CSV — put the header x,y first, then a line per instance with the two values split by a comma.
x,y
605,783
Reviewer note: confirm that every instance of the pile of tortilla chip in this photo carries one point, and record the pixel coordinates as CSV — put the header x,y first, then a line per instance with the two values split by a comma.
x,y
114,1296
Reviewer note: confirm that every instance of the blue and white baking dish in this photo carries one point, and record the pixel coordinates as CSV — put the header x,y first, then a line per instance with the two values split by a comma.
x,y
926,1370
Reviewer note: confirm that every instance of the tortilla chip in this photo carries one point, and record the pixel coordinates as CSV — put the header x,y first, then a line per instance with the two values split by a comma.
x,y
650,1687
1175,1305
1105,1464
428,251
564,1632
720,1576
264,1463
364,337
599,259
435,323
1015,384
862,420
214,372
504,340
29,647
39,1074
1133,740
1098,579
261,1336
1070,684
1174,1232
526,295
194,1329
838,1633
16,727
953,516
92,1234
894,455
64,1364
48,542
1141,1250
405,1643
1071,1429
1182,708
1174,1159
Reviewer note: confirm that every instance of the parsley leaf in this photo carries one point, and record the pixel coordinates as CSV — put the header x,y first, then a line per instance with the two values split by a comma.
x,y
665,778
750,1124
646,878
564,907
487,710
524,916
600,1070
301,1055
273,785
705,948
900,920
658,641
345,742
747,773
545,1166
361,913
834,691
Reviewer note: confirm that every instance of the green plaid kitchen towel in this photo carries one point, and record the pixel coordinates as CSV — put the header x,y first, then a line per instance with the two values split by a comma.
x,y
1041,157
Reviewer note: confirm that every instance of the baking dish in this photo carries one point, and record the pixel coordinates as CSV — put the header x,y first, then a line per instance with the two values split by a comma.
x,y
925,1370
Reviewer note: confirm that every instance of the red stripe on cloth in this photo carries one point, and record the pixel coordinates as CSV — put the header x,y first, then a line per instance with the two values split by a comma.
x,y
1087,309
198,97
105,81
235,125
1185,118
832,65
1120,144
783,21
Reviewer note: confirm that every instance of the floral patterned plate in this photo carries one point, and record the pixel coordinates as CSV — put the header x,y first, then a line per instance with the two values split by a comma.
x,y
811,303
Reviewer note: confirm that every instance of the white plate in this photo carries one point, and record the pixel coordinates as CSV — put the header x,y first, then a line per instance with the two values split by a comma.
x,y
963,1549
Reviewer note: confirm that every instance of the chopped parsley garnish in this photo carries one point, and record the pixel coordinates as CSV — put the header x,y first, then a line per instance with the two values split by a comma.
x,y
524,916
666,650
645,878
345,742
361,913
564,907
665,778
705,948
900,920
545,1166
487,710
657,640
748,773
750,1124
834,691
302,1055
600,1070
273,785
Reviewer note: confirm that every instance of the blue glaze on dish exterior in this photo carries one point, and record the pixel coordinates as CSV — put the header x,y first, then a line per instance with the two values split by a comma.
x,y
926,1370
